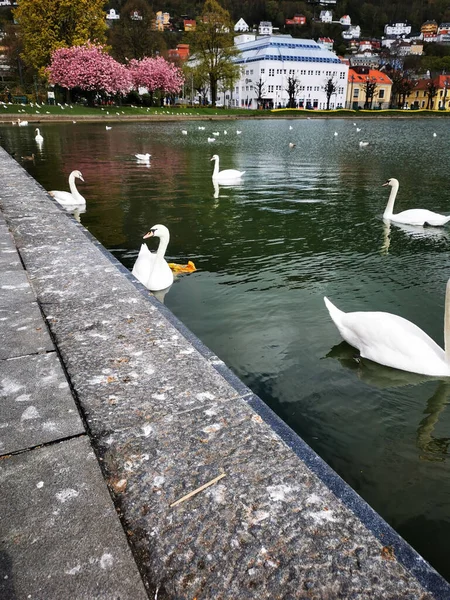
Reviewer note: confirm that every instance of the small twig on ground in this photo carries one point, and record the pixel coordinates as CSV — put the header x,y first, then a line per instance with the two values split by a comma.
x,y
200,489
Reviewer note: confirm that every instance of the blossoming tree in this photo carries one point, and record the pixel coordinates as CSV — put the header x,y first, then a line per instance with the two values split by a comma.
x,y
89,68
156,74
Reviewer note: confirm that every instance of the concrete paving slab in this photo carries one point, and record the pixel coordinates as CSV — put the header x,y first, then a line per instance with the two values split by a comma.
x,y
23,331
36,404
60,534
15,288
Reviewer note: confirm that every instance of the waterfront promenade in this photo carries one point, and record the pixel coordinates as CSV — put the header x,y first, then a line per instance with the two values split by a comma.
x,y
111,411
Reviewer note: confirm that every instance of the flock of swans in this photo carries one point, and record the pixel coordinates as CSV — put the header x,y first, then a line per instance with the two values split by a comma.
x,y
382,337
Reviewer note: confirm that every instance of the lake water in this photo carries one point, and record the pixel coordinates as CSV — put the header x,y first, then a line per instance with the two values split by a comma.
x,y
305,222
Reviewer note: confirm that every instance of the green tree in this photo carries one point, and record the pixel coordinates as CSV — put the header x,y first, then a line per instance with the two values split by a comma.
x,y
133,35
212,46
46,25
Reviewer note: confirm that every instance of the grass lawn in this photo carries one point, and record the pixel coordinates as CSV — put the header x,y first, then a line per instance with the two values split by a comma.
x,y
67,112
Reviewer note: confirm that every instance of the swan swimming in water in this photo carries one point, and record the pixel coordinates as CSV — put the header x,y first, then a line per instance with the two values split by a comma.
x,y
39,138
414,216
151,268
227,174
72,198
393,341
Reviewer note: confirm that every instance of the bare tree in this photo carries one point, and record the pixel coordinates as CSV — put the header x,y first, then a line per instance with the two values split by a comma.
x,y
293,87
330,88
370,88
431,92
260,88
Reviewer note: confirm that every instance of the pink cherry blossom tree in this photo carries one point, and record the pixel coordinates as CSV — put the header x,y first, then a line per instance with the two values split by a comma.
x,y
89,68
156,74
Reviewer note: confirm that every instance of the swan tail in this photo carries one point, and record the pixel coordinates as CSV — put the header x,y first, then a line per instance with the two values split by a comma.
x,y
334,311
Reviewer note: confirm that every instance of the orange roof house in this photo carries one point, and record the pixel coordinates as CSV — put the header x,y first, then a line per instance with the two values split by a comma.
x,y
357,85
419,97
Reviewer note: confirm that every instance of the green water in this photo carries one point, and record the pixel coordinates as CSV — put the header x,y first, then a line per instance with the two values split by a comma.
x,y
304,223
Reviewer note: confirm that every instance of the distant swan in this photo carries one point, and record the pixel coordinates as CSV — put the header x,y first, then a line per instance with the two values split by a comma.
x,y
151,268
362,144
414,216
73,197
39,137
224,176
393,341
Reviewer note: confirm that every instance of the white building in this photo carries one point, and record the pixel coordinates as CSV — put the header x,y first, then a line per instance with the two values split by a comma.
x,y
112,15
351,33
397,29
241,26
345,20
265,28
326,16
272,60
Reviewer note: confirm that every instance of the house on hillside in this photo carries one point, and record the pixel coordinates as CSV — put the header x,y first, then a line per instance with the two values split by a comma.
x,y
241,26
265,28
429,31
162,20
353,32
296,20
189,24
179,54
111,15
358,80
345,20
326,43
397,29
326,16
270,60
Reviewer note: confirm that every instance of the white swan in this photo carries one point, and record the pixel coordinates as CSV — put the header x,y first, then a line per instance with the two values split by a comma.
x,y
22,123
363,144
224,176
72,198
393,341
150,268
414,216
39,138
108,128
143,157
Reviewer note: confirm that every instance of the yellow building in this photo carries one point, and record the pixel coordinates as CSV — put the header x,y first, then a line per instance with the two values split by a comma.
x,y
162,20
356,88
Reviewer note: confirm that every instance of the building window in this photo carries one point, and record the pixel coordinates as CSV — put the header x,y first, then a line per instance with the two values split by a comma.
x,y
381,94
342,76
271,72
356,93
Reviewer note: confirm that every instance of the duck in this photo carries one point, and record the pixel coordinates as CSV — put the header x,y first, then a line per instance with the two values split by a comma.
x,y
26,157
414,216
227,174
72,198
151,268
393,341
39,138
143,157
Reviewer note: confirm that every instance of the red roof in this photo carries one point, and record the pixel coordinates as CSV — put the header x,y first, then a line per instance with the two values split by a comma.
x,y
373,75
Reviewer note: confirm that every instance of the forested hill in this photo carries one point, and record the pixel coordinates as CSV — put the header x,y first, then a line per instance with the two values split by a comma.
x,y
370,16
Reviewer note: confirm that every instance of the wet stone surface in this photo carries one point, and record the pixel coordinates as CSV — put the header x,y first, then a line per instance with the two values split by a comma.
x,y
165,420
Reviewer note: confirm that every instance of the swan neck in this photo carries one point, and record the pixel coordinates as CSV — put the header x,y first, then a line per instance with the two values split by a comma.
x,y
73,188
390,205
216,167
447,323
162,246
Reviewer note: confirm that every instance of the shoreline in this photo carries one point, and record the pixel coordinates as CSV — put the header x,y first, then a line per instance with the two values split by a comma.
x,y
8,118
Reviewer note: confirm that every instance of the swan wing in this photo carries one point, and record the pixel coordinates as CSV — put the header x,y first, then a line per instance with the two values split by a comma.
x,y
420,216
161,276
66,198
391,340
144,264
229,174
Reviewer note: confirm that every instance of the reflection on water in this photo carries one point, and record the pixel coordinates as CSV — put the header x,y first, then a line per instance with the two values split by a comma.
x,y
431,448
303,223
